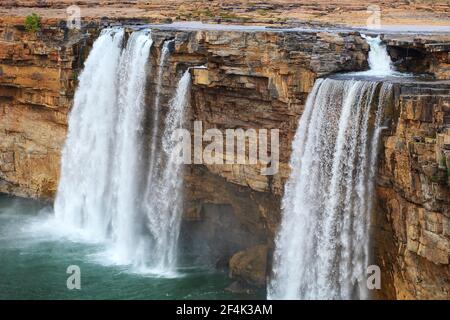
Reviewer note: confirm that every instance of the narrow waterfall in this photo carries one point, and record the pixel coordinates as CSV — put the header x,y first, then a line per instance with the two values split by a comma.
x,y
380,62
165,51
101,190
163,197
322,245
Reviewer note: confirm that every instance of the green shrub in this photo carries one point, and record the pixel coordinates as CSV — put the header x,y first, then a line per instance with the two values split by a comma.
x,y
33,22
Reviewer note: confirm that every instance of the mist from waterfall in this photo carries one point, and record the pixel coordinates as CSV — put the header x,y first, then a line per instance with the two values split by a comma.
x,y
322,247
100,194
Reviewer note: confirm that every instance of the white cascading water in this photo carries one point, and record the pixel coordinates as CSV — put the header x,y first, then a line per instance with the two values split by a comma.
x,y
126,168
101,173
165,51
380,63
81,199
164,196
322,245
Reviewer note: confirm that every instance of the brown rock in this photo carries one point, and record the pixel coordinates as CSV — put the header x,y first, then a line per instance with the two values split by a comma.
x,y
250,265
416,199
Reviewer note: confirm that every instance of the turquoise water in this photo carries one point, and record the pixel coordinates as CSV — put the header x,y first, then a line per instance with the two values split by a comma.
x,y
34,259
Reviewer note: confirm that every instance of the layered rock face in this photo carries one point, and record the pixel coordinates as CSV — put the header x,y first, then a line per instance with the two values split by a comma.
x,y
252,80
412,220
428,55
37,79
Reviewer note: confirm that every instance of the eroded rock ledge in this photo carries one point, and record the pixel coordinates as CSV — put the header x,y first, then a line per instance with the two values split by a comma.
x,y
253,80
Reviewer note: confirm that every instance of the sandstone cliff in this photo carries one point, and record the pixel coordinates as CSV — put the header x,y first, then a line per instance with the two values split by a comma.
x,y
37,78
412,221
252,80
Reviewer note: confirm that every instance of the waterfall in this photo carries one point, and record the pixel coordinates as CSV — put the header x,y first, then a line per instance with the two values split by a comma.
x,y
379,60
322,247
380,63
127,157
101,185
101,157
165,51
86,157
163,198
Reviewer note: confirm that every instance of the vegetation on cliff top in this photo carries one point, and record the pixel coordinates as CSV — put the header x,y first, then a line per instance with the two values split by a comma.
x,y
33,22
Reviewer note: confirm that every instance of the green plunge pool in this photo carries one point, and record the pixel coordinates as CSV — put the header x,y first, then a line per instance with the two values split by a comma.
x,y
34,260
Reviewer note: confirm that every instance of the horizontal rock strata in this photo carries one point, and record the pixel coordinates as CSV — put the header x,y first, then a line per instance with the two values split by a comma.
x,y
256,80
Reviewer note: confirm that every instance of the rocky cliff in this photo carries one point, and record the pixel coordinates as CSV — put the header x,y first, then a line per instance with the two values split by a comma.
x,y
37,78
412,221
254,80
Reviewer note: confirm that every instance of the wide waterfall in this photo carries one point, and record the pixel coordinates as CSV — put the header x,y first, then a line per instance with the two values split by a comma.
x,y
81,199
322,248
105,157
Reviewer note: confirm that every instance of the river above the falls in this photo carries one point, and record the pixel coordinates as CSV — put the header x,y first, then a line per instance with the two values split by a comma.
x,y
34,259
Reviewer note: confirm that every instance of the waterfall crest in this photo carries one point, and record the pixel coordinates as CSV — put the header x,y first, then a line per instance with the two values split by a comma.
x,y
101,186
